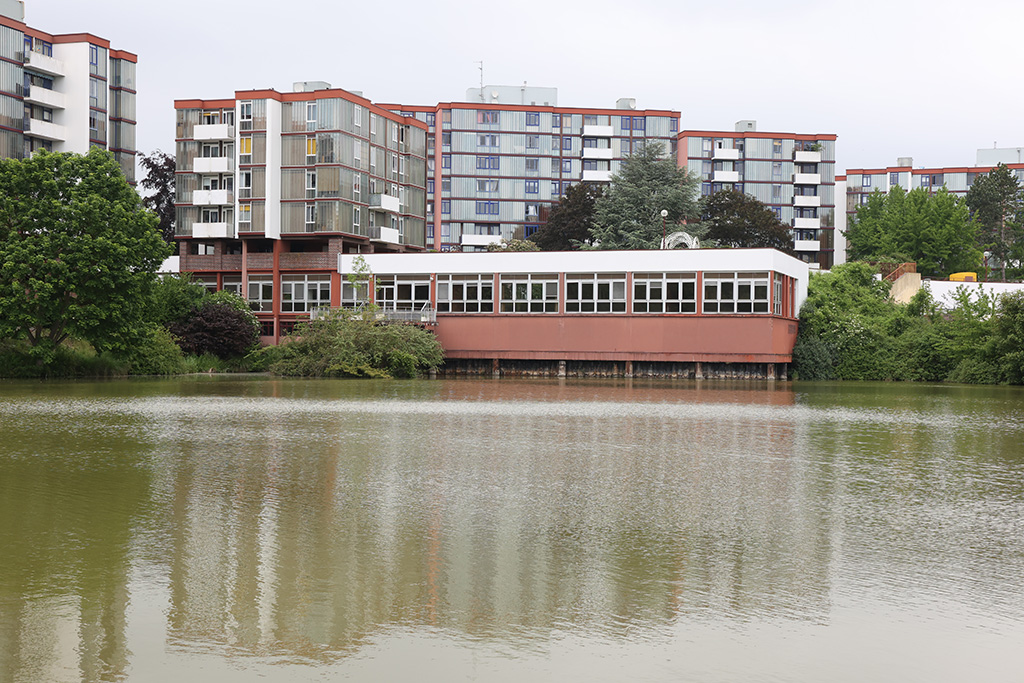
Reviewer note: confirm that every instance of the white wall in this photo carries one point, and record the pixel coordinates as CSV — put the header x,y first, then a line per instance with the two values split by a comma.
x,y
943,291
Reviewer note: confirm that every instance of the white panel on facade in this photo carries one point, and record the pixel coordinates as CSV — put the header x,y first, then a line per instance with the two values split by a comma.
x,y
213,131
211,198
592,131
807,223
802,157
213,230
213,165
43,63
806,245
597,176
46,130
597,153
807,178
806,200
47,98
726,154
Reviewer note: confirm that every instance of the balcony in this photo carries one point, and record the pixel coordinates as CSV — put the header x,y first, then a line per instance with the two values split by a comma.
x,y
36,61
806,200
480,240
213,131
802,157
725,177
385,202
807,179
213,165
726,154
45,130
806,245
213,230
597,176
597,152
386,235
806,223
212,198
44,97
594,131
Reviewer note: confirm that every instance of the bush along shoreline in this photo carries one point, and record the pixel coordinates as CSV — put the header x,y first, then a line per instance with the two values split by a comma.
x,y
851,330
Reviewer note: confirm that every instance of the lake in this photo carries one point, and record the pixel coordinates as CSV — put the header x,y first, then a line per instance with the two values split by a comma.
x,y
225,529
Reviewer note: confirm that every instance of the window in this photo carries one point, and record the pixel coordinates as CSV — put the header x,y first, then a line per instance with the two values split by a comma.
x,y
446,184
487,140
776,170
566,142
532,118
430,186
777,148
373,125
705,144
357,116
446,139
735,292
310,148
529,230
639,123
357,185
589,143
589,120
556,120
94,58
865,181
566,165
446,206
673,125
261,292
894,178
356,218
486,185
926,180
394,131
590,165
310,115
705,189
600,293
245,115
310,217
777,295
489,162
245,213
465,293
301,293
402,293
244,184
311,184
532,164
555,185
532,211
532,141
487,208
487,117
210,214
664,293
625,122
446,161
776,193
532,293
532,186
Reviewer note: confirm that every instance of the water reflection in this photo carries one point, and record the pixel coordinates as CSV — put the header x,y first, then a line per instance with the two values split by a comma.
x,y
310,521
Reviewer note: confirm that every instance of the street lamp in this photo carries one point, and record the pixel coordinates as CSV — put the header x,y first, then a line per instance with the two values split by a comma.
x,y
664,215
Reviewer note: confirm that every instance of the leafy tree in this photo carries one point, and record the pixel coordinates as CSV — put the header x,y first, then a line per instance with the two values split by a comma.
x,y
736,219
219,327
159,182
571,220
629,215
1009,338
78,251
513,245
934,230
174,297
997,201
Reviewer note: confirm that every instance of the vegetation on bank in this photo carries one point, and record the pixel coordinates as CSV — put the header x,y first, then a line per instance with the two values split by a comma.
x,y
850,329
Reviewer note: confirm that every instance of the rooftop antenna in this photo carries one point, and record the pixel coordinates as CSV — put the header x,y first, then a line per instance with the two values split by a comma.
x,y
482,98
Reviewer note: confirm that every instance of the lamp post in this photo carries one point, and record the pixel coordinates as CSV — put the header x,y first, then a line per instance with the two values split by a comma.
x,y
664,215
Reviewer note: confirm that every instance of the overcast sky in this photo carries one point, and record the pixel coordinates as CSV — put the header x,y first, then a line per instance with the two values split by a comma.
x,y
931,79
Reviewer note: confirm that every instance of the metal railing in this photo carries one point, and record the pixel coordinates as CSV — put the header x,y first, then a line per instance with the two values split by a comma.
x,y
425,315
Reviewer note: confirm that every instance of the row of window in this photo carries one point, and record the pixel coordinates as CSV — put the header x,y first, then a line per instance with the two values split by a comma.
x,y
491,117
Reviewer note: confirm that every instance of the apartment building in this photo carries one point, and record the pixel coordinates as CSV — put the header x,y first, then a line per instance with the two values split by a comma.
x,y
500,160
271,186
64,93
791,173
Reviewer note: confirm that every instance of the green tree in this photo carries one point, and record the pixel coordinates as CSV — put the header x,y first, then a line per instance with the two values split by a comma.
x,y
78,251
571,220
997,201
933,230
629,215
159,183
735,219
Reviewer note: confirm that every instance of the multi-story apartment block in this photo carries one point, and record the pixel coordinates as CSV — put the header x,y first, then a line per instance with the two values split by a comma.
x,y
499,161
271,186
64,93
793,174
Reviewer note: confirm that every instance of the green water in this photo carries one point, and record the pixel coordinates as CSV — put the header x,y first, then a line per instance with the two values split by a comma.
x,y
224,529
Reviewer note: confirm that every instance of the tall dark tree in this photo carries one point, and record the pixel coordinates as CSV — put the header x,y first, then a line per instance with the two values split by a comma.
x,y
159,184
629,215
736,219
997,202
571,219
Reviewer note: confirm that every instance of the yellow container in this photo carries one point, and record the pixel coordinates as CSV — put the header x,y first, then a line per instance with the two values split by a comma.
x,y
963,277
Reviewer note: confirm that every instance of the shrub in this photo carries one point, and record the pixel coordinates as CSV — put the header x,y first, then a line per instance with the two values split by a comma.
x,y
173,297
218,327
156,353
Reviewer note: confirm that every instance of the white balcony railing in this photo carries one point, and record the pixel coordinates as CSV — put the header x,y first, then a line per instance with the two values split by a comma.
x,y
806,200
806,223
213,230
45,130
595,131
213,131
806,245
212,198
726,154
387,235
385,202
807,178
725,177
802,157
36,61
213,165
597,176
597,152
44,97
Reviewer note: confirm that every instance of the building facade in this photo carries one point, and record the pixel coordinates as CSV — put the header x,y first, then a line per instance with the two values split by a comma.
x,y
271,186
692,313
792,174
64,93
499,161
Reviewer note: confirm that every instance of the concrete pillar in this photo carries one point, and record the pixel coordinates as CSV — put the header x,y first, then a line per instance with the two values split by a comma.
x,y
698,370
770,369
495,367
629,369
561,368
783,371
